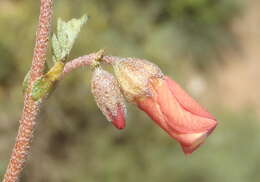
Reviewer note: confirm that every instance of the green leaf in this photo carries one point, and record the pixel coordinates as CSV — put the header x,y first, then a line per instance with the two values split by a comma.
x,y
26,79
41,88
46,84
26,82
57,51
56,71
67,32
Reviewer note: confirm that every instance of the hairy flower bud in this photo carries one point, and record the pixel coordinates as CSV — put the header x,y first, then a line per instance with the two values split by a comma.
x,y
165,102
108,97
133,76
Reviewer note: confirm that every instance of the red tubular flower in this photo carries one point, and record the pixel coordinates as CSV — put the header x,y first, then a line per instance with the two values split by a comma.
x,y
108,97
166,103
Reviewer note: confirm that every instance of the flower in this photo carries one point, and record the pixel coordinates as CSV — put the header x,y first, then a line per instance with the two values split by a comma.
x,y
165,102
108,97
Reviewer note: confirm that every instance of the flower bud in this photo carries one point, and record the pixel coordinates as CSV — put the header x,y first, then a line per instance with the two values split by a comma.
x,y
108,97
165,102
133,76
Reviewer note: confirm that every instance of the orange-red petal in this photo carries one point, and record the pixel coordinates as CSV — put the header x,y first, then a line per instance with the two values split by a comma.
x,y
179,118
187,101
119,120
153,110
177,113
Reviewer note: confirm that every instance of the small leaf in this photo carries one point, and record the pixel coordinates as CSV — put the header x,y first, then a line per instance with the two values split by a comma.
x,y
41,88
46,67
67,33
26,82
27,78
46,84
56,71
57,52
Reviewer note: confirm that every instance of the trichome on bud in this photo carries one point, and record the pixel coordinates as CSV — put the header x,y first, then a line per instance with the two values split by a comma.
x,y
108,97
133,76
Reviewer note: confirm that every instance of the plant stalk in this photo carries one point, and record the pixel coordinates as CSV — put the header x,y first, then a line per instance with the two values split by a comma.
x,y
31,108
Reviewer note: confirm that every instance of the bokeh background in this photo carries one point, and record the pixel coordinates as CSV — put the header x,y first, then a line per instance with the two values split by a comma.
x,y
211,47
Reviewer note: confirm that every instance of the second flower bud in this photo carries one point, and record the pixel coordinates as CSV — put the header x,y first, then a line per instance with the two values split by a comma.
x,y
108,97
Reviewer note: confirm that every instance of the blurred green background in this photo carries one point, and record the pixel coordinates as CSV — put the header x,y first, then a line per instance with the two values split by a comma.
x,y
211,47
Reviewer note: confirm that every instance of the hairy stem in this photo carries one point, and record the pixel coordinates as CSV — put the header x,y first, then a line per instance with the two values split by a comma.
x,y
110,59
31,108
86,61
78,62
